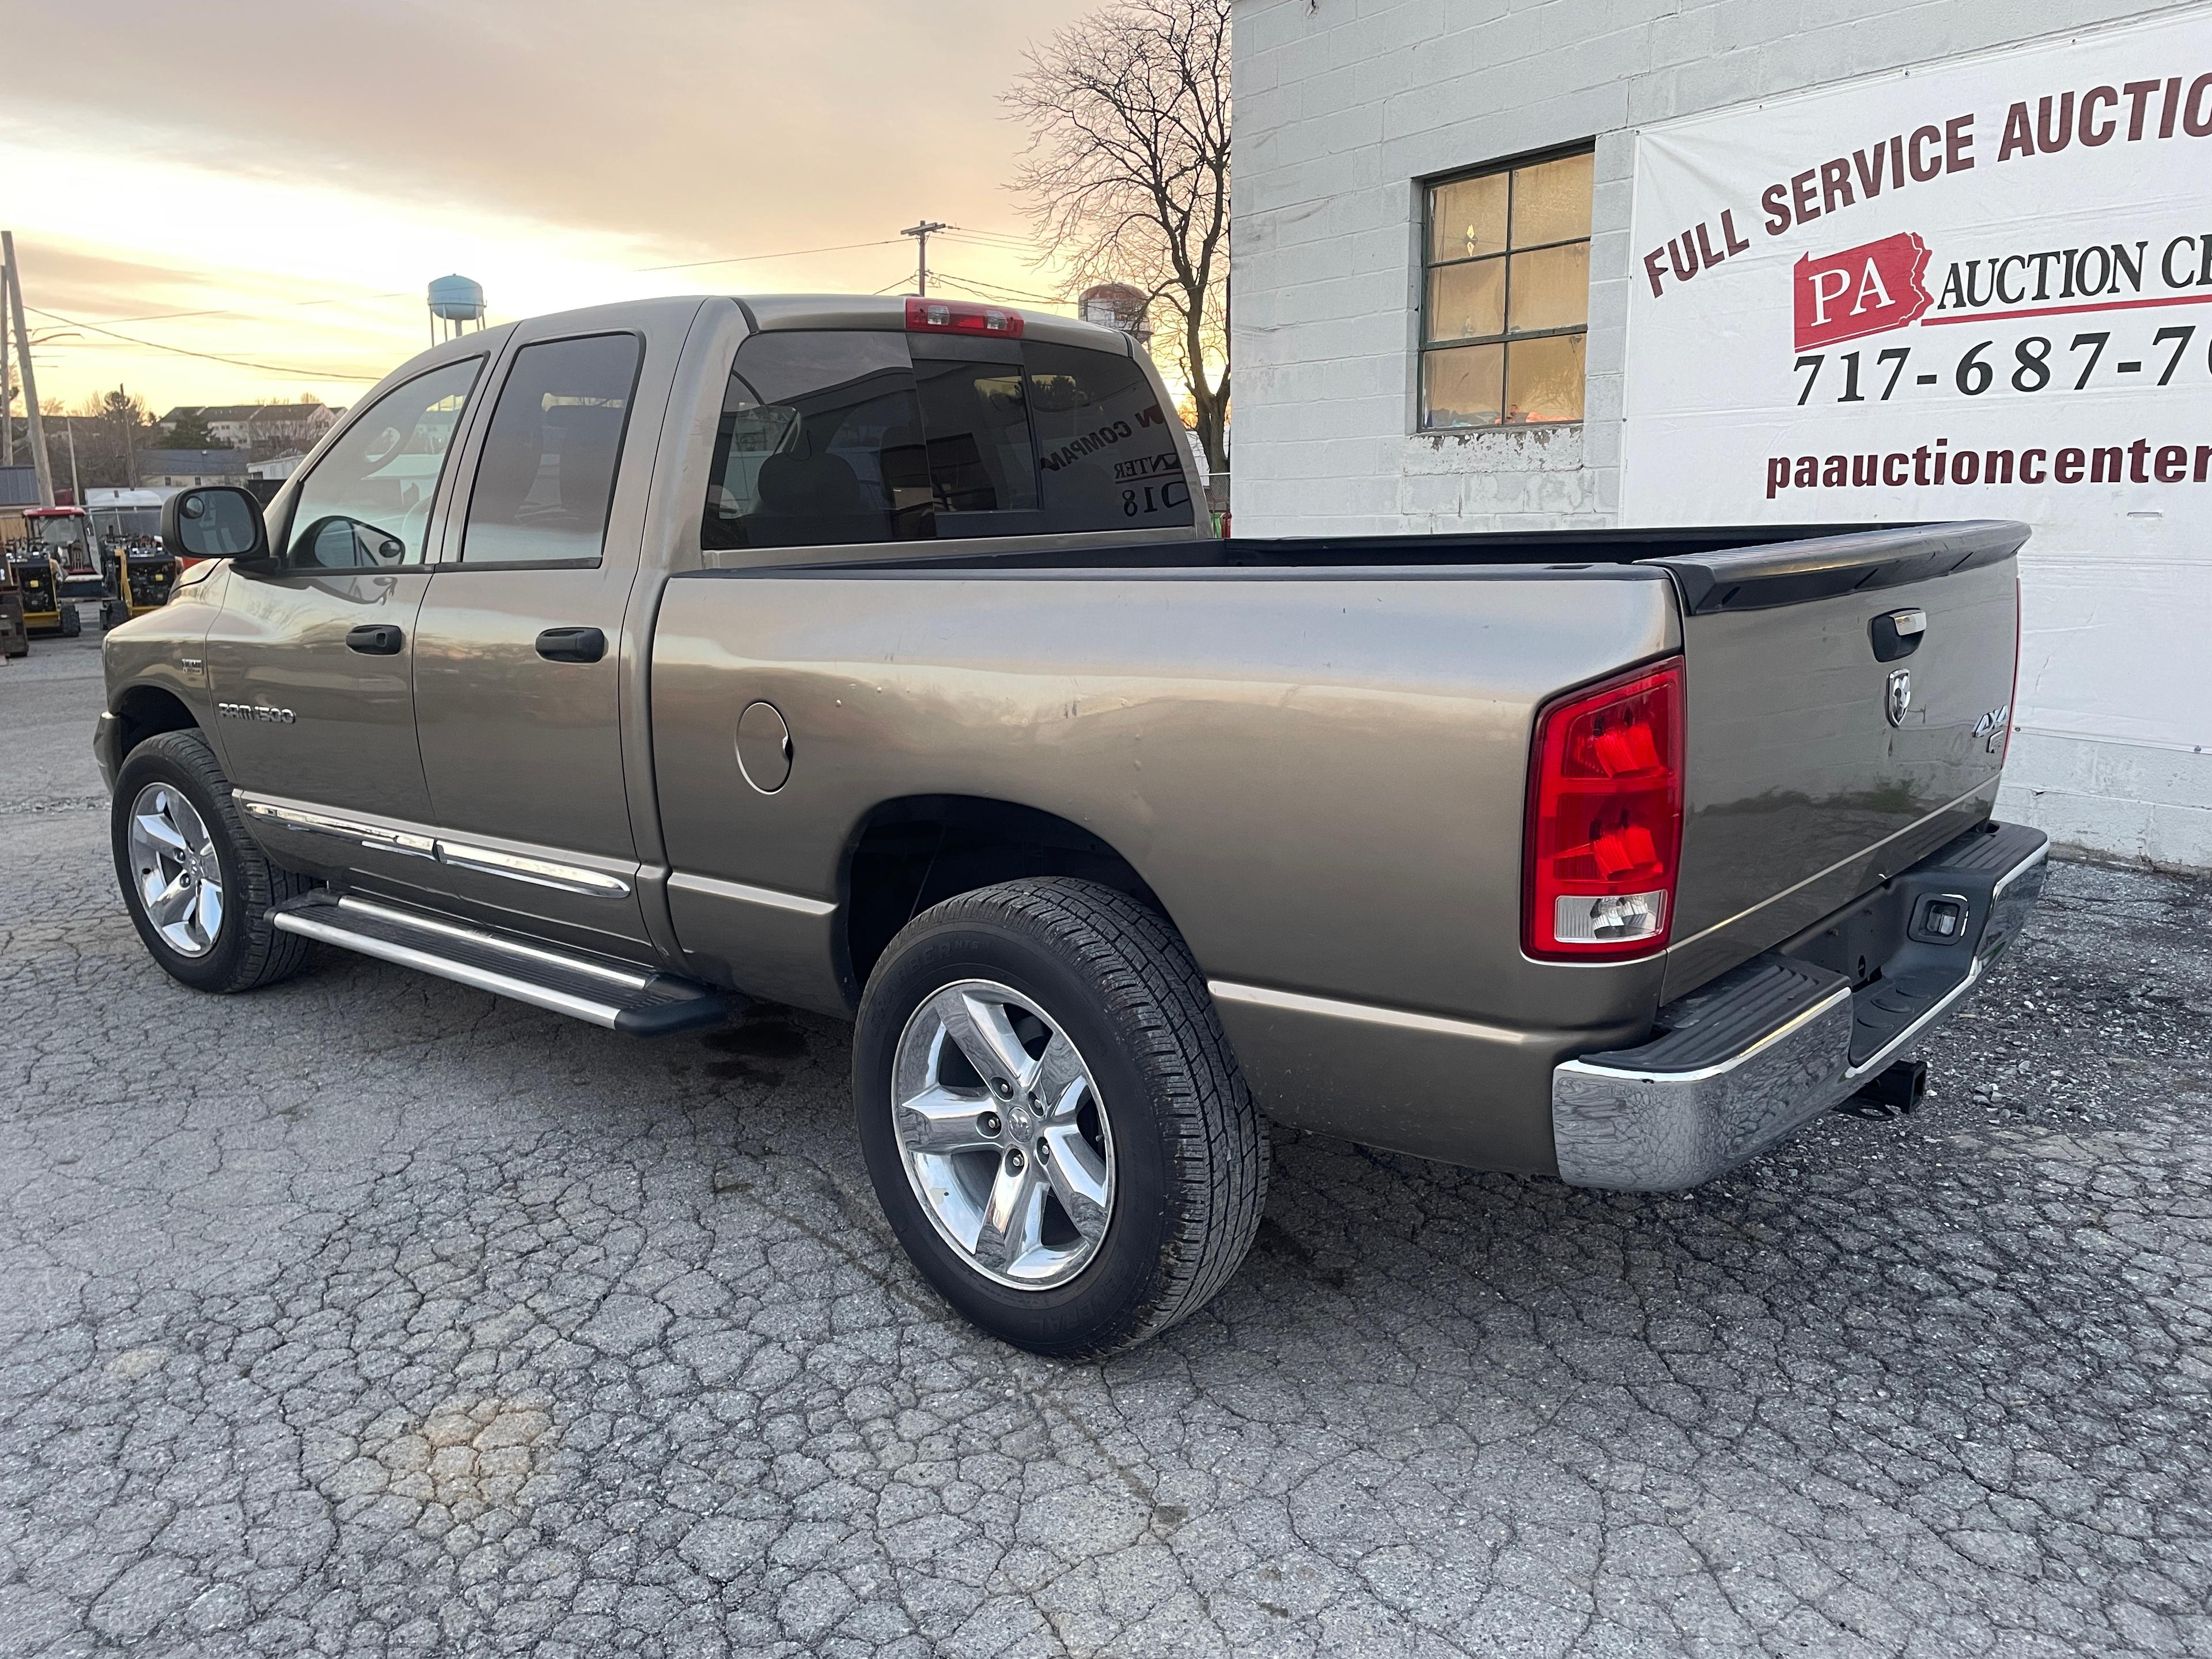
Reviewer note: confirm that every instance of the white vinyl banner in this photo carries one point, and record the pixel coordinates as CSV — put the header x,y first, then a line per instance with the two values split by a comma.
x,y
1976,289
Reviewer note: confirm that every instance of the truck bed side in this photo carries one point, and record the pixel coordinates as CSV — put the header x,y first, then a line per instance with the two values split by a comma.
x,y
1320,775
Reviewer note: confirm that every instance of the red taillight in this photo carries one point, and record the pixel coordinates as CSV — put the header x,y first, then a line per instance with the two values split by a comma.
x,y
1605,818
948,317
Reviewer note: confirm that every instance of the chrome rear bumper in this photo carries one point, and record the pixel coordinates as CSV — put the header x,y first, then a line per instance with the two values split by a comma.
x,y
1736,1065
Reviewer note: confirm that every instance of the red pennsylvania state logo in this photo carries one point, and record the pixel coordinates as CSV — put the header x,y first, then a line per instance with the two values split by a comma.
x,y
1866,289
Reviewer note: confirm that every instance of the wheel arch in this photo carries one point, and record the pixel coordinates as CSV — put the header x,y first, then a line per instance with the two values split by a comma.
x,y
911,852
147,711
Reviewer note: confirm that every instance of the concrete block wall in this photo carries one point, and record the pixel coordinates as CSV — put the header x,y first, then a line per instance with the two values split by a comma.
x,y
1344,105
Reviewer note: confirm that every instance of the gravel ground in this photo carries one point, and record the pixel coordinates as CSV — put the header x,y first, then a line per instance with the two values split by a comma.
x,y
372,1315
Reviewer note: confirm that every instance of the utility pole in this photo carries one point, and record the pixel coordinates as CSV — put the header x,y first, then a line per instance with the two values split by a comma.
x,y
130,444
39,460
920,234
7,383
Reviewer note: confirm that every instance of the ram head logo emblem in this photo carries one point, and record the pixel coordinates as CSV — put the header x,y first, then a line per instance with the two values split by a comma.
x,y
1900,695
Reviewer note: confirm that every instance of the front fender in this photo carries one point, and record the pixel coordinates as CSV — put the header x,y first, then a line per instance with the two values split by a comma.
x,y
156,660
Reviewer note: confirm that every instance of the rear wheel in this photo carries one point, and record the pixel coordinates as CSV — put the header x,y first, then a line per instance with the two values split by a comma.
x,y
197,886
1052,1118
72,624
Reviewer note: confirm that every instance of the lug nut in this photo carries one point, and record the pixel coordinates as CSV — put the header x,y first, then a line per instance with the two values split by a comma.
x,y
1003,1088
1014,1159
988,1123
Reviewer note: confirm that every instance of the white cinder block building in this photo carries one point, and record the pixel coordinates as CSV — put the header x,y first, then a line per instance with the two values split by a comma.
x,y
1543,264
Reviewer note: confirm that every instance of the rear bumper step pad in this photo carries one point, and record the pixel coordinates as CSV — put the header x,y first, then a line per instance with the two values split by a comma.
x,y
635,1001
1772,1044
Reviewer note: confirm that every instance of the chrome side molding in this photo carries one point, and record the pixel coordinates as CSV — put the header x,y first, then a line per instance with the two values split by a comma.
x,y
741,893
376,837
1365,1013
538,872
461,854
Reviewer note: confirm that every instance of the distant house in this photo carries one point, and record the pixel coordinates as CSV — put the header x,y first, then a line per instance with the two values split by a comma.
x,y
244,425
180,469
292,423
226,423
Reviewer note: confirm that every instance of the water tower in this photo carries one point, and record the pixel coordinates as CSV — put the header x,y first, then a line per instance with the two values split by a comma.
x,y
1116,305
455,301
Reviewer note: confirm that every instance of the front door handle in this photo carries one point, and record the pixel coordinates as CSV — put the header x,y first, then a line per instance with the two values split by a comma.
x,y
572,645
376,640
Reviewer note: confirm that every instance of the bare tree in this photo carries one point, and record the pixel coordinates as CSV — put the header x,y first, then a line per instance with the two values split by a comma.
x,y
107,428
1127,172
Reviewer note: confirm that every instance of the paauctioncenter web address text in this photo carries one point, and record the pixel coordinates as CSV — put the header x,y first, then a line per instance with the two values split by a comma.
x,y
1939,465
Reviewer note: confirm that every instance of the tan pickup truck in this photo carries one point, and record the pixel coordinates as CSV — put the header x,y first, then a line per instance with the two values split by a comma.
x,y
871,657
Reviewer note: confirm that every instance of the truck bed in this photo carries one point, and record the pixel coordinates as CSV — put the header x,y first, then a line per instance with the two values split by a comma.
x,y
1342,724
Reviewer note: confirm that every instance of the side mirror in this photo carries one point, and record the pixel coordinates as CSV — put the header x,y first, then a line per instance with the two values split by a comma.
x,y
214,522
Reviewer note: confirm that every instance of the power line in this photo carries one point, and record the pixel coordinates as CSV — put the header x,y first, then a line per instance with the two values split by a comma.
x,y
405,293
788,254
172,316
992,290
280,304
211,356
1030,242
983,238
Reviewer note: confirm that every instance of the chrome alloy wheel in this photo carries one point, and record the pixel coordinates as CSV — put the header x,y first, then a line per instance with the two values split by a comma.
x,y
1004,1137
174,862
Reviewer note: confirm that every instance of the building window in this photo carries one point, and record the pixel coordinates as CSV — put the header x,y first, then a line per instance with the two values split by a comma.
x,y
1505,304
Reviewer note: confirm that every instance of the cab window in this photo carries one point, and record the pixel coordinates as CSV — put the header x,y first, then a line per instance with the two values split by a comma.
x,y
982,462
819,444
545,481
835,437
1110,457
367,504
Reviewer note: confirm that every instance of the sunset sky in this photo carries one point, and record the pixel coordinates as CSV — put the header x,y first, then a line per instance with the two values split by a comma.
x,y
297,174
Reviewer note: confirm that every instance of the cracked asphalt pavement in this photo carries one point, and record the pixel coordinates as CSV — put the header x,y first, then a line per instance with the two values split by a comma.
x,y
371,1316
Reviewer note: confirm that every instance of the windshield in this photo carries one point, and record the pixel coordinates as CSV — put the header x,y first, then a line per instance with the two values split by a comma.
x,y
63,538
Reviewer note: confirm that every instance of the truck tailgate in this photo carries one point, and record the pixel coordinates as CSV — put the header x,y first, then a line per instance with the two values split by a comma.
x,y
1848,701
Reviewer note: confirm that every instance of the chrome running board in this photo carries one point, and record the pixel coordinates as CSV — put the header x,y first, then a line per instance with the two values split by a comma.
x,y
635,1001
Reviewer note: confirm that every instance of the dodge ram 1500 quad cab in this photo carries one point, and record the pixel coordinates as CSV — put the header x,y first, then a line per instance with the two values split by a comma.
x,y
870,657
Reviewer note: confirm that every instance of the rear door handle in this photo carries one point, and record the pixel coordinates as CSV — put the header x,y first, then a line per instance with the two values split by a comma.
x,y
572,645
376,640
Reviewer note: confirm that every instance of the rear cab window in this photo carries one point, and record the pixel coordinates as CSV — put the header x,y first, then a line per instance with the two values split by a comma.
x,y
1112,458
820,443
831,438
982,459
